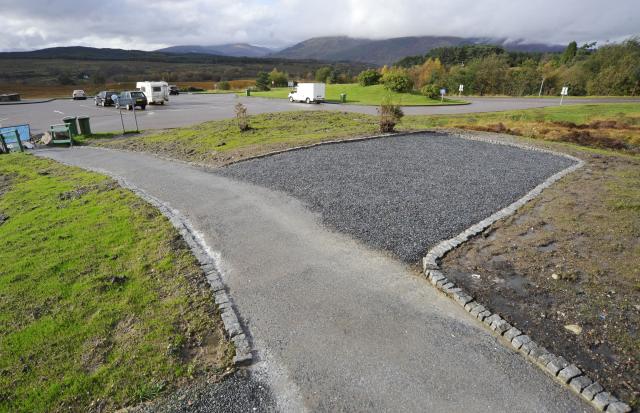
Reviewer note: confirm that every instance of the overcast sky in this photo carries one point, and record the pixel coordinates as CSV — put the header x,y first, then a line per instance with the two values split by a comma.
x,y
148,25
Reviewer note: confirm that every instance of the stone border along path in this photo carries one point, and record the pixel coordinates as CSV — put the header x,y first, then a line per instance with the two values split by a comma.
x,y
557,366
208,261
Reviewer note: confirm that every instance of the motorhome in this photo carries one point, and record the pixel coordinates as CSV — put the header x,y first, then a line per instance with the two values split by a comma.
x,y
308,92
156,92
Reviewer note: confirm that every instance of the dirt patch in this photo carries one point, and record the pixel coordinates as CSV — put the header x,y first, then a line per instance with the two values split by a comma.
x,y
79,192
566,269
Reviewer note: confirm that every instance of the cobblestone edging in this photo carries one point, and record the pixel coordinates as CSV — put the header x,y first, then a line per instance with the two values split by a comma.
x,y
557,366
208,261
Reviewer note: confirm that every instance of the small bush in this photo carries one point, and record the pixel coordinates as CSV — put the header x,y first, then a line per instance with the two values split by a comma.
x,y
224,85
369,77
430,91
390,114
241,117
397,80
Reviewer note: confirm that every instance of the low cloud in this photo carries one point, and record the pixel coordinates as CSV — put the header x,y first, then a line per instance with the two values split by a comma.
x,y
142,25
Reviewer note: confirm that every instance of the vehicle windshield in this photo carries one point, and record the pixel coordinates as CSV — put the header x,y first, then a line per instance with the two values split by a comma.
x,y
137,94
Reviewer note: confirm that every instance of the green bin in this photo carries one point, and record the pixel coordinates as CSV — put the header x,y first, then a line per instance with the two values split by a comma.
x,y
85,125
343,97
248,92
73,126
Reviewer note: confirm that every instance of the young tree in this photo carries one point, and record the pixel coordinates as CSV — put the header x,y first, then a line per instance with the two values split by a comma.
x,y
570,53
369,77
262,81
323,74
278,79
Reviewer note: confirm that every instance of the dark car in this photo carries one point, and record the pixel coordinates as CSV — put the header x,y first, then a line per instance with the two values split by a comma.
x,y
173,90
104,98
130,99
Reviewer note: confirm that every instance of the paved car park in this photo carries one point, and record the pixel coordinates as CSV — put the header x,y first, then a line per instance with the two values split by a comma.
x,y
189,109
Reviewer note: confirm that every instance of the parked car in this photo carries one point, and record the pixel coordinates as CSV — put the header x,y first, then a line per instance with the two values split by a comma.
x,y
104,98
78,94
130,99
174,90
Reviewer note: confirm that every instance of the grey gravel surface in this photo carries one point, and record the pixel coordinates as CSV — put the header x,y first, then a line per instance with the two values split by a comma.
x,y
403,194
239,393
336,325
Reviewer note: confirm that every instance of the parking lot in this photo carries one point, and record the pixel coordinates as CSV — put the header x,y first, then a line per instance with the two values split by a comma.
x,y
189,109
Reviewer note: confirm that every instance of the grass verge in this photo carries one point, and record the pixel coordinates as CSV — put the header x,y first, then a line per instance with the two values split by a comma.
x,y
606,126
361,95
220,142
102,304
609,125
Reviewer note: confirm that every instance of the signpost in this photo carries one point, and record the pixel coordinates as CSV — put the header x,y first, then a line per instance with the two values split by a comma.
x,y
565,92
460,90
443,91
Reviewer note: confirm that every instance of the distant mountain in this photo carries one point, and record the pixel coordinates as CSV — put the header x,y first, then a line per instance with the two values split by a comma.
x,y
232,49
387,51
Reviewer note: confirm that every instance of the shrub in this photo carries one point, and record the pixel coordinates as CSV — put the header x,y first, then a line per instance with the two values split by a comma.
x,y
397,80
224,85
390,115
430,91
262,81
242,119
369,77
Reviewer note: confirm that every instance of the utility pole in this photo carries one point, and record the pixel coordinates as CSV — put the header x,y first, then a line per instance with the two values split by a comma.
x,y
541,84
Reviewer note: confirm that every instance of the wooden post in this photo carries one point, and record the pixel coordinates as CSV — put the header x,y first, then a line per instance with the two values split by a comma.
x,y
3,144
19,142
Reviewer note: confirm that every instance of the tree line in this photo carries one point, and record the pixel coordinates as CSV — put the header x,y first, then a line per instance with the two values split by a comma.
x,y
612,69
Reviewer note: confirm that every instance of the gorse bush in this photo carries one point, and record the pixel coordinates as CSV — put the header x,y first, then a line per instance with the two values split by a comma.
x,y
369,77
389,115
397,80
242,119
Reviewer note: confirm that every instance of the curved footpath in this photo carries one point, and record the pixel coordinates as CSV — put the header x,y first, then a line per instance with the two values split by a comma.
x,y
337,326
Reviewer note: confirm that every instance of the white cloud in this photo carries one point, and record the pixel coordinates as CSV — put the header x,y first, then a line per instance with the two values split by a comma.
x,y
144,25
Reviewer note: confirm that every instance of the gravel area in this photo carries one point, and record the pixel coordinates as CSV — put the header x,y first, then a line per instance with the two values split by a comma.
x,y
240,392
403,194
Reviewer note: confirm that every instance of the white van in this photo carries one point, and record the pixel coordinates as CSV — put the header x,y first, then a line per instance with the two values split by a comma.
x,y
308,92
156,92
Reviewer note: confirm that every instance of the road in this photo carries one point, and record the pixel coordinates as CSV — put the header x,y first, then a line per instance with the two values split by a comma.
x,y
185,110
338,326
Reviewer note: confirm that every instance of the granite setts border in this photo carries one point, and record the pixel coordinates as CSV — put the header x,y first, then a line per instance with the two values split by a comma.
x,y
209,263
558,367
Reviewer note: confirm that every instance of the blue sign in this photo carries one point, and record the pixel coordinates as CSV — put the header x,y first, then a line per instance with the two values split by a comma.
x,y
23,131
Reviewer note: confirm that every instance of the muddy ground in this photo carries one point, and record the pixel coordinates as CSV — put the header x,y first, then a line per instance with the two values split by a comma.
x,y
566,270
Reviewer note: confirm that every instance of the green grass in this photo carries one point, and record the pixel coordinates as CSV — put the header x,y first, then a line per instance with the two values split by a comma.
x,y
220,142
361,95
99,296
82,139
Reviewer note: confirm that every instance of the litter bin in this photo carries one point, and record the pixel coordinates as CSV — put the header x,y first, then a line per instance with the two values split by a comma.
x,y
85,125
73,126
248,92
343,97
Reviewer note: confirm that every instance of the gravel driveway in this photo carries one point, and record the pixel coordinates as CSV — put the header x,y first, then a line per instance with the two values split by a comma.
x,y
403,194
